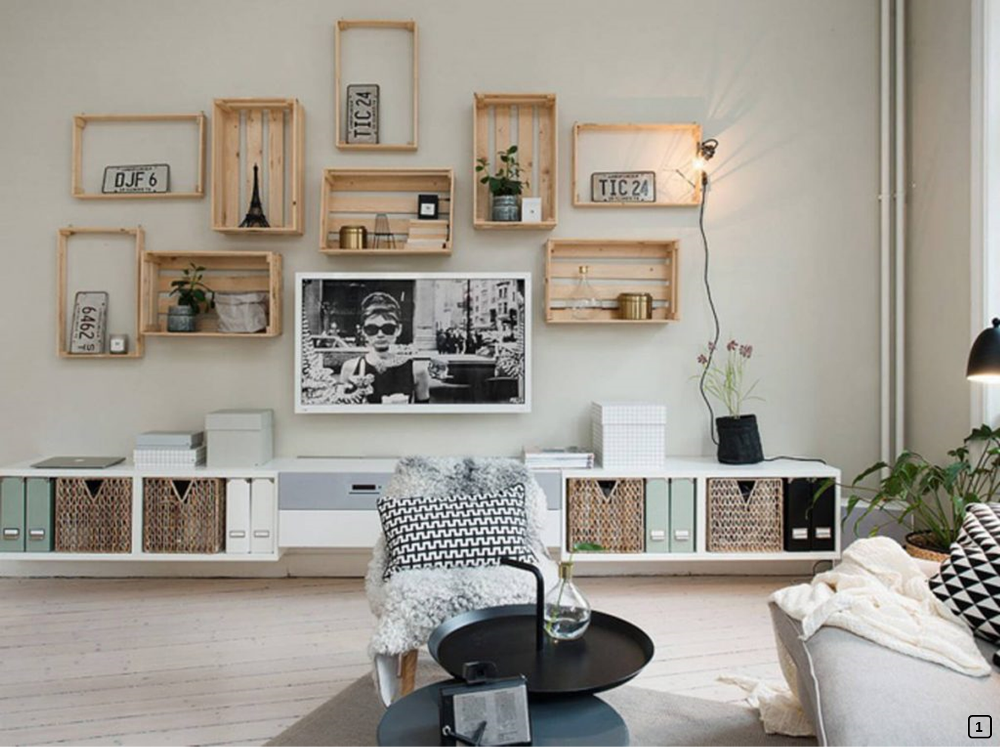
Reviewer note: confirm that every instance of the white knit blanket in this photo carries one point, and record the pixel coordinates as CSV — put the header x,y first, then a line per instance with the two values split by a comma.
x,y
877,592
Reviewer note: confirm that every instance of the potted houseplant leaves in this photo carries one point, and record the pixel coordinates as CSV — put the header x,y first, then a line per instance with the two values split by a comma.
x,y
505,186
193,296
930,498
724,377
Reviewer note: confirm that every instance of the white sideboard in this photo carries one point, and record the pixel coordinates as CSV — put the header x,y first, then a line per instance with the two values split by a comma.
x,y
329,504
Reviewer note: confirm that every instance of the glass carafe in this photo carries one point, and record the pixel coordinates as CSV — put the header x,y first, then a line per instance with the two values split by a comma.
x,y
584,303
567,611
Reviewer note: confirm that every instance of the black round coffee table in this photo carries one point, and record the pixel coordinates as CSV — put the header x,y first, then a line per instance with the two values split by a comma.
x,y
581,719
609,654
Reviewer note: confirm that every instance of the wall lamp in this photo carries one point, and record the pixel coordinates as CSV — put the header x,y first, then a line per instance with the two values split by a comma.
x,y
984,357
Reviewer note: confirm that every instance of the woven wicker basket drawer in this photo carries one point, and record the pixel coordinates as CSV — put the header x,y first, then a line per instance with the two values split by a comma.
x,y
745,515
186,516
608,512
93,515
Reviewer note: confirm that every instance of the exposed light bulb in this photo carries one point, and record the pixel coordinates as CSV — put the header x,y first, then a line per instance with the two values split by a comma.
x,y
699,163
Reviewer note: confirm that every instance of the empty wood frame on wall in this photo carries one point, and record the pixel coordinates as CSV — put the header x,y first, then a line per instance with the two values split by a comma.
x,y
668,150
268,133
530,122
340,90
613,267
62,271
355,197
225,272
80,123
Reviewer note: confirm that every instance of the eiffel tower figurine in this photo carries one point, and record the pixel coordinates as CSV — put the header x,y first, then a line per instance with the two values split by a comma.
x,y
255,215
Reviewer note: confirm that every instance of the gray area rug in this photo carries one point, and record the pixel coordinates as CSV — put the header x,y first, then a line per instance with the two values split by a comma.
x,y
653,718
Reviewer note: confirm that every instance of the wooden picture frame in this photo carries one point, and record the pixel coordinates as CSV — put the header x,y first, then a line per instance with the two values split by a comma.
x,y
668,150
454,342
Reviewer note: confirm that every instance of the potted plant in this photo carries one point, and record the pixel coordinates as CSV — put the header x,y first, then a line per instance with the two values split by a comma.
x,y
505,185
193,296
724,377
928,497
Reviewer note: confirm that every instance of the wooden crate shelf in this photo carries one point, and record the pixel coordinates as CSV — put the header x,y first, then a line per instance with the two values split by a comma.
x,y
505,119
340,86
355,196
80,122
268,133
668,150
62,270
614,266
224,272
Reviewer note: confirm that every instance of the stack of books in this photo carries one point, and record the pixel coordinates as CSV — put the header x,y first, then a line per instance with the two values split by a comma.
x,y
169,449
567,457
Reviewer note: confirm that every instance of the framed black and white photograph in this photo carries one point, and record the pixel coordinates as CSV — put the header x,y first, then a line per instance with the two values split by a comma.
x,y
412,342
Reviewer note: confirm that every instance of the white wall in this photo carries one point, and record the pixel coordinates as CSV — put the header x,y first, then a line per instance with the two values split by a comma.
x,y
939,37
789,87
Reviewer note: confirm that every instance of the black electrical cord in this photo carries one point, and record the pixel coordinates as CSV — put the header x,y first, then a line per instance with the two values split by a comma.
x,y
711,303
795,459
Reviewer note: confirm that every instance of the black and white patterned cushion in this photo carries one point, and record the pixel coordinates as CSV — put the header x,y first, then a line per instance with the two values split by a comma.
x,y
454,531
969,580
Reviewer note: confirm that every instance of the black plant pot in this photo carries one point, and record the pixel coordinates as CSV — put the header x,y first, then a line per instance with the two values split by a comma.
x,y
739,440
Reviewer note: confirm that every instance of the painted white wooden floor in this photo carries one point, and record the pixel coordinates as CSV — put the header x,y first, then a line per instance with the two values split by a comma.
x,y
216,661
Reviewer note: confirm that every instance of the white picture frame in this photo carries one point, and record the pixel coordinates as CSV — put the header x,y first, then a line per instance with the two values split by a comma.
x,y
482,365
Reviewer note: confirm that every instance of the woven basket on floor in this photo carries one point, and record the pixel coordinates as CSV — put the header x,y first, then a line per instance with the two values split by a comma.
x,y
745,515
916,547
93,515
186,516
610,513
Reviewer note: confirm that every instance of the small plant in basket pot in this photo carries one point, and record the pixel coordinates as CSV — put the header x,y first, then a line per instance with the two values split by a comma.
x,y
929,498
505,186
193,297
723,376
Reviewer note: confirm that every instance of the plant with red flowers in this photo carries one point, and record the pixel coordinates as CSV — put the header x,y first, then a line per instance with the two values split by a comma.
x,y
725,375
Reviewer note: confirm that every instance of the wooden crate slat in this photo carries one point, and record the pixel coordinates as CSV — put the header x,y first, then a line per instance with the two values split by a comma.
x,y
609,292
267,133
526,146
613,267
598,250
636,271
501,120
225,272
276,166
356,196
607,315
389,181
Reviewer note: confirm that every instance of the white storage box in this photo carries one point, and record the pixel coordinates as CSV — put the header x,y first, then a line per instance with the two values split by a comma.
x,y
629,434
240,438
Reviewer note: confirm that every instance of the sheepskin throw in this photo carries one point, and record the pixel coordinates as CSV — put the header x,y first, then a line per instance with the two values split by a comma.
x,y
455,531
411,603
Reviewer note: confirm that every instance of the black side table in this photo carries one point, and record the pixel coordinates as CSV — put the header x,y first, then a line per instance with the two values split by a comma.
x,y
578,720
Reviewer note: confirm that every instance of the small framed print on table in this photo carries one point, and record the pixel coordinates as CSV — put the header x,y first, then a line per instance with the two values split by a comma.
x,y
427,207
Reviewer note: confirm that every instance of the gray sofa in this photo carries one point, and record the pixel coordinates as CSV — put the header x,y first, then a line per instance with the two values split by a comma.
x,y
858,693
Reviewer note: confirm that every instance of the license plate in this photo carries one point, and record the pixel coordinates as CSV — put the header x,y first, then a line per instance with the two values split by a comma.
x,y
362,113
623,186
90,311
139,179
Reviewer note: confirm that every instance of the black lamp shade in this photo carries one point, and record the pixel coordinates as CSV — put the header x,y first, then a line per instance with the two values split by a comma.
x,y
984,358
